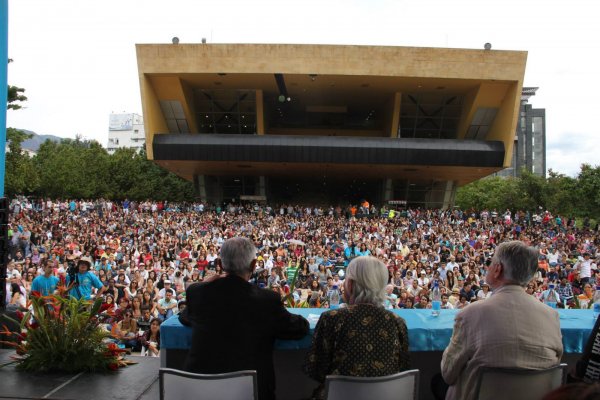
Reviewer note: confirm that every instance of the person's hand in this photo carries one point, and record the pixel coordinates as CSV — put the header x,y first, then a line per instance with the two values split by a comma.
x,y
214,277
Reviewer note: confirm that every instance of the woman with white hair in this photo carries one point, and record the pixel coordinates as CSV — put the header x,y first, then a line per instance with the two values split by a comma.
x,y
362,339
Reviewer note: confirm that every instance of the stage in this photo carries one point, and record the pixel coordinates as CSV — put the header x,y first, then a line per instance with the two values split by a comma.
x,y
135,382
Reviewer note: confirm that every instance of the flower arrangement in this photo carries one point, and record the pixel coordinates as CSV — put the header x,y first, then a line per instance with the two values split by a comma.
x,y
63,334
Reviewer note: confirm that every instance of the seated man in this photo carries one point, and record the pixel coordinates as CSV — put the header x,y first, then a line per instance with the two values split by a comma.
x,y
446,305
504,330
239,321
166,307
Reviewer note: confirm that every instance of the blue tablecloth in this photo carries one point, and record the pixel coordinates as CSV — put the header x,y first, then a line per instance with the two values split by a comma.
x,y
425,332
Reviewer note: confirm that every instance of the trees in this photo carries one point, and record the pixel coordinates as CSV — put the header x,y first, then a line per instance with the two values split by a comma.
x,y
15,95
588,190
560,194
83,169
20,174
73,168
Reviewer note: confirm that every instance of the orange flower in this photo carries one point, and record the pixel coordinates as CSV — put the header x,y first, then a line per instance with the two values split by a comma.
x,y
5,331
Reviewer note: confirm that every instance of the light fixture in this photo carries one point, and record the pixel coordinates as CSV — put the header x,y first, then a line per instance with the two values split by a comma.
x,y
487,46
203,40
175,40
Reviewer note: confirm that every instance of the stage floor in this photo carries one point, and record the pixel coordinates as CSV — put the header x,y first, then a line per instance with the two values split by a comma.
x,y
135,382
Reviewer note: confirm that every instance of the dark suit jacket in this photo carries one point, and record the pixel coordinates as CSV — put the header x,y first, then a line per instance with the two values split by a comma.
x,y
235,325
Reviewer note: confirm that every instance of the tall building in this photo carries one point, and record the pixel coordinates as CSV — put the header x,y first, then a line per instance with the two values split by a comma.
x,y
529,150
125,130
329,124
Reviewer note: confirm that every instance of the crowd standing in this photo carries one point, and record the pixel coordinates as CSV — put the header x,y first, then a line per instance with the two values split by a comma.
x,y
141,256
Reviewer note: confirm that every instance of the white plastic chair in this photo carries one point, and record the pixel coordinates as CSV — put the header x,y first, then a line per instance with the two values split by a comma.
x,y
518,383
403,385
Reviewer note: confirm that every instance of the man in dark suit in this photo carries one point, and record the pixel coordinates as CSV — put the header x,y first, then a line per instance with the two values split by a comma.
x,y
235,324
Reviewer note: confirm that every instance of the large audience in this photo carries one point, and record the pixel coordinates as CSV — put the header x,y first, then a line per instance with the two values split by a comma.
x,y
147,253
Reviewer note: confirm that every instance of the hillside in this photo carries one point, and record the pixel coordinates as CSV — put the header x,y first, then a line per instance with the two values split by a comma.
x,y
34,143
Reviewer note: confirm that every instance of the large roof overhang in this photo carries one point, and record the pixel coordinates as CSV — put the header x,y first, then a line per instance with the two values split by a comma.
x,y
323,77
238,155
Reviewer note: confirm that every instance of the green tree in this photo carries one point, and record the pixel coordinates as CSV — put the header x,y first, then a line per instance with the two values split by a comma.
x,y
20,177
533,188
83,169
561,194
73,169
588,193
15,96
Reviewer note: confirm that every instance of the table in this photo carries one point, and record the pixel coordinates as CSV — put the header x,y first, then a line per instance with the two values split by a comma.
x,y
425,332
428,337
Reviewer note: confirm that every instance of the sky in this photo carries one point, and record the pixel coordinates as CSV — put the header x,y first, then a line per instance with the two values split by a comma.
x,y
76,58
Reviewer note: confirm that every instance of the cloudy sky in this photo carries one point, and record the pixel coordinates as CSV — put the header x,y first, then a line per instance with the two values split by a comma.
x,y
76,58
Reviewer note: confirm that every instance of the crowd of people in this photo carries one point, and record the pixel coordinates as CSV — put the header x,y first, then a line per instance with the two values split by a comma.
x,y
141,256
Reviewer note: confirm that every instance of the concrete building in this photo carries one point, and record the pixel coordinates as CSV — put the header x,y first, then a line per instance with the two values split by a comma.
x,y
529,150
125,130
329,124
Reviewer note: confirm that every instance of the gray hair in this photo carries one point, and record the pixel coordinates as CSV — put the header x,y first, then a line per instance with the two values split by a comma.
x,y
370,277
237,254
519,261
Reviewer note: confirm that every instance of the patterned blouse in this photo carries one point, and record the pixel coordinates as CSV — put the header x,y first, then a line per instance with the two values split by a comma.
x,y
359,340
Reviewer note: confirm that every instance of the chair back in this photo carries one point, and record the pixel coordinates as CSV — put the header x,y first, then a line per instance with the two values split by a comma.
x,y
518,383
175,385
403,385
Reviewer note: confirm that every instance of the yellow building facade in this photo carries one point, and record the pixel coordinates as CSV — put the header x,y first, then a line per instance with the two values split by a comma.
x,y
329,124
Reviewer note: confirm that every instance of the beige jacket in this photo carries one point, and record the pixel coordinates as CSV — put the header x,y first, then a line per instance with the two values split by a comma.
x,y
510,329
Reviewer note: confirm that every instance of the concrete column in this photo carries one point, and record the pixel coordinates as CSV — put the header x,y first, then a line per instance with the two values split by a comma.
x,y
260,113
261,186
200,186
395,122
449,194
388,190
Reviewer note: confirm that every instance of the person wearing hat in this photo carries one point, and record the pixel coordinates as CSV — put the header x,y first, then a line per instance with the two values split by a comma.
x,y
423,280
454,296
168,287
485,292
81,283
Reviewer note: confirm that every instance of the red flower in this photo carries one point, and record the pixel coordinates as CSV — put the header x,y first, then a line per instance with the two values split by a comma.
x,y
112,346
35,293
34,325
113,366
19,315
114,349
